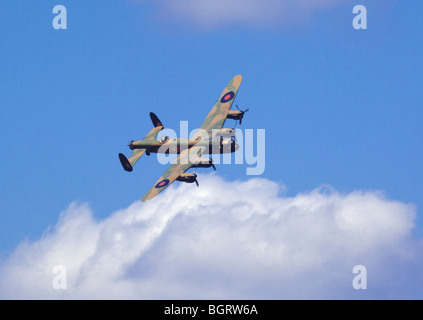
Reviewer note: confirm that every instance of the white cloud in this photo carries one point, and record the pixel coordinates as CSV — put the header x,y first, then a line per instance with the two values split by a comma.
x,y
206,14
225,240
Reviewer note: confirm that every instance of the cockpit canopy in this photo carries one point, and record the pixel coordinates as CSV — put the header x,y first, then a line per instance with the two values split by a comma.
x,y
164,139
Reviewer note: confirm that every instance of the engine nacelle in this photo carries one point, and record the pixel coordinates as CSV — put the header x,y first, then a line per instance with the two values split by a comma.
x,y
188,178
235,114
203,163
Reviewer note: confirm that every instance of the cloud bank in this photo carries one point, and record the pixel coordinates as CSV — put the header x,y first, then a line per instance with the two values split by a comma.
x,y
225,240
206,14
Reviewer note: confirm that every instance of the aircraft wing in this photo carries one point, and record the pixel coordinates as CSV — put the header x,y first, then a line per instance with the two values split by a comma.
x,y
180,165
217,116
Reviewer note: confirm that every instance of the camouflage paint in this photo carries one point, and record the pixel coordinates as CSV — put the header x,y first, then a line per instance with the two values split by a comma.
x,y
189,149
181,165
217,116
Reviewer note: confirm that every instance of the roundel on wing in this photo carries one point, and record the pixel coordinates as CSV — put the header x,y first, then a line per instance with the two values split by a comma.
x,y
162,183
227,97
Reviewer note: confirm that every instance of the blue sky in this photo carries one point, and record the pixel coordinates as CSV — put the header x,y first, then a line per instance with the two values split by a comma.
x,y
341,107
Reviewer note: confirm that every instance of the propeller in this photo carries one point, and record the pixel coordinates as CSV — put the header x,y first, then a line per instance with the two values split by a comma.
x,y
195,180
242,114
213,167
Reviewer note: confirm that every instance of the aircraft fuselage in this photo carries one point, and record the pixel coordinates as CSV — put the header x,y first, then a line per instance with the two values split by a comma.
x,y
214,144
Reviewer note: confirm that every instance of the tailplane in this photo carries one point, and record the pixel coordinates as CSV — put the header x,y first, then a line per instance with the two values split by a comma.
x,y
136,154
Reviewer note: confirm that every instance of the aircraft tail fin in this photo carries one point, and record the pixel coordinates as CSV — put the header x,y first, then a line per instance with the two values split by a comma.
x,y
156,121
128,164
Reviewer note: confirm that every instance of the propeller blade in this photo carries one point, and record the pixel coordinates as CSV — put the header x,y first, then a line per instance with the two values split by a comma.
x,y
197,183
242,114
213,167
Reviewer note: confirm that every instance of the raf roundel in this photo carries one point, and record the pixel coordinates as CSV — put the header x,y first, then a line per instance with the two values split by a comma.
x,y
162,183
227,97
